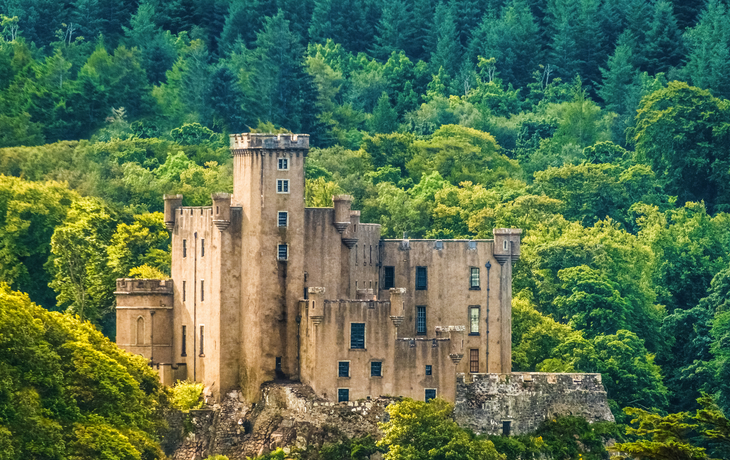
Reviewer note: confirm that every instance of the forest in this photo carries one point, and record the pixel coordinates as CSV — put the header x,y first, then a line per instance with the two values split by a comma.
x,y
599,127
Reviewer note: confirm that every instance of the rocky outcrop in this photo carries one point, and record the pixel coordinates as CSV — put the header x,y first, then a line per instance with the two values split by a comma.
x,y
289,416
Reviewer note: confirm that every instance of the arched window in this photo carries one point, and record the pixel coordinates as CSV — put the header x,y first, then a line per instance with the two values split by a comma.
x,y
140,331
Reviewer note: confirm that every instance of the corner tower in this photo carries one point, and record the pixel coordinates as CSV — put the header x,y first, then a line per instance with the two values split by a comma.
x,y
268,184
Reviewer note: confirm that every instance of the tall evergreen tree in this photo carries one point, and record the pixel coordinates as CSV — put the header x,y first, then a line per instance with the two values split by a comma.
x,y
708,60
423,11
618,77
395,31
157,47
664,47
687,12
344,21
242,22
513,40
447,53
277,74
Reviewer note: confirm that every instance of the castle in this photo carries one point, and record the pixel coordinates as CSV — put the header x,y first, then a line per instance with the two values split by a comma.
x,y
264,288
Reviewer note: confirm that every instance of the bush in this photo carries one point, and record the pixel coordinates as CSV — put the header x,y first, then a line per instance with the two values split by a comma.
x,y
186,395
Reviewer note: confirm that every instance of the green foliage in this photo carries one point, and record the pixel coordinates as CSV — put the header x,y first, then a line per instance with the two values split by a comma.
x,y
419,430
70,392
187,395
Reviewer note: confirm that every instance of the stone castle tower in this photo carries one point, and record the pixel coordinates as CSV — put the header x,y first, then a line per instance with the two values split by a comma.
x,y
264,288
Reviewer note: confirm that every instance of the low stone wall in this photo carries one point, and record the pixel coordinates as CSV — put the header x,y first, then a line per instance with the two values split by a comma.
x,y
485,401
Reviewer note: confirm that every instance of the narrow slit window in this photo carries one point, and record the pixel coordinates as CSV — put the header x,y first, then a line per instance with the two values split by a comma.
x,y
140,331
474,320
474,361
185,248
421,279
357,336
283,219
283,253
202,340
202,290
429,369
474,278
388,277
421,320
202,248
183,289
184,342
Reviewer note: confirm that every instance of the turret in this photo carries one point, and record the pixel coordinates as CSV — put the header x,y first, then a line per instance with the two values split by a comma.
x,y
342,211
172,202
221,210
349,236
316,304
506,244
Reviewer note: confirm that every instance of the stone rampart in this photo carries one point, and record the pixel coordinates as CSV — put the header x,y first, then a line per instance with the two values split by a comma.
x,y
143,286
519,402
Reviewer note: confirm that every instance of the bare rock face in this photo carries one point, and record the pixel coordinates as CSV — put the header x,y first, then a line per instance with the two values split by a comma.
x,y
289,415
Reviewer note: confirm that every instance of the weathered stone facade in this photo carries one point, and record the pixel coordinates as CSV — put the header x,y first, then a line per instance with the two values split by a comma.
x,y
519,402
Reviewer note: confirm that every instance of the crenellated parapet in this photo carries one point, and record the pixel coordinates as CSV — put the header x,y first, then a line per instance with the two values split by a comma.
x,y
241,143
143,286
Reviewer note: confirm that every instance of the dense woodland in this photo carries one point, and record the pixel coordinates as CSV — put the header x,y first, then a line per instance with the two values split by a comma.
x,y
599,127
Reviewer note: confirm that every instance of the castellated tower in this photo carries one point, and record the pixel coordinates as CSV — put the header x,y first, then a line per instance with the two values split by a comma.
x,y
269,188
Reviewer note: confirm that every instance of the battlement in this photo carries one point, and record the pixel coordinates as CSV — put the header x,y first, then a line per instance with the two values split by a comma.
x,y
248,141
143,286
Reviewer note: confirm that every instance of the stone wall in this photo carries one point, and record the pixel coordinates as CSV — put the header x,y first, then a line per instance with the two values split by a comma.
x,y
485,401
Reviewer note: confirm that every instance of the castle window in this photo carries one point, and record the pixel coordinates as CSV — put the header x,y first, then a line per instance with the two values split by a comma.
x,y
473,320
283,219
357,336
343,369
421,279
388,277
376,369
283,253
202,340
421,320
140,331
185,248
474,278
202,290
184,342
283,164
506,427
429,369
504,245
183,289
282,186
343,394
430,394
202,247
474,361
371,254
278,363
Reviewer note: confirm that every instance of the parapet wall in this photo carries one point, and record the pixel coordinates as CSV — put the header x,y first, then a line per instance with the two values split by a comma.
x,y
247,141
485,401
143,286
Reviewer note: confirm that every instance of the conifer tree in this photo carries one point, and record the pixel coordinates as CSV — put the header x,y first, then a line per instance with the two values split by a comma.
x,y
344,21
157,47
423,15
664,48
384,118
513,40
447,53
708,60
395,31
618,77
241,23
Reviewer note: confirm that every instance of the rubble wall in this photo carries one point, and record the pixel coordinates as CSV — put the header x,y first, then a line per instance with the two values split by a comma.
x,y
484,402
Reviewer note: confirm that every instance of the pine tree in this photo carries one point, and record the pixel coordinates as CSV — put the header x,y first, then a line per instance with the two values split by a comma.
x,y
344,21
423,15
513,40
447,54
664,48
469,13
242,22
708,60
618,77
384,118
157,47
687,12
395,31
277,75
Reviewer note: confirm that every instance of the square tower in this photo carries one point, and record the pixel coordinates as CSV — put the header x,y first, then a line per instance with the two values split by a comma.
x,y
268,184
